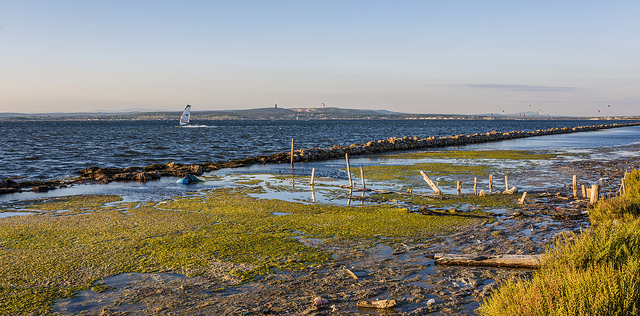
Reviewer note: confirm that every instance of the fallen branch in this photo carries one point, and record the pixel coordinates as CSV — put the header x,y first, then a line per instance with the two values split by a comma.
x,y
351,274
501,261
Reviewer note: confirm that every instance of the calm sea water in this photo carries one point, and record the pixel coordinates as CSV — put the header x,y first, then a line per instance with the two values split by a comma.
x,y
50,149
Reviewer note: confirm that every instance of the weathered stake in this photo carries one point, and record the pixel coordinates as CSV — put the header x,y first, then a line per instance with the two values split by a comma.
x,y
490,183
595,194
430,183
575,186
292,152
346,156
584,192
313,175
459,187
475,186
506,183
362,177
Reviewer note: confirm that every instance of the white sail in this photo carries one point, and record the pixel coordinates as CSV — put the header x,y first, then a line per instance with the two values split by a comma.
x,y
186,115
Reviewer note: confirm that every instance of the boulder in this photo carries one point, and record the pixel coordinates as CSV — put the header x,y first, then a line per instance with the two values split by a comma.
x,y
146,176
8,183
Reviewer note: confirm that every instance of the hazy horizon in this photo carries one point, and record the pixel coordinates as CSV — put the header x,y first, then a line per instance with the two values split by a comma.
x,y
569,58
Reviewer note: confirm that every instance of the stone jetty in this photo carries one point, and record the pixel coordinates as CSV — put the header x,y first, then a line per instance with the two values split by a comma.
x,y
408,143
156,171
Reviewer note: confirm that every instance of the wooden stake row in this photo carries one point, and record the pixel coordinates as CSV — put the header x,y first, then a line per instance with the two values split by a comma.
x,y
593,193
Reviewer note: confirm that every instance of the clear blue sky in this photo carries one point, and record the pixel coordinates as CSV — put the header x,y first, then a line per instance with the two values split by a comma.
x,y
466,57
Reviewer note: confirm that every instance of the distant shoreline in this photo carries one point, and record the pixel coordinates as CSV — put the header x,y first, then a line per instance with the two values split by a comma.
x,y
289,114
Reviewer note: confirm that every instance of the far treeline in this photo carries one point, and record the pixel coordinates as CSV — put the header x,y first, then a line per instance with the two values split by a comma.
x,y
275,113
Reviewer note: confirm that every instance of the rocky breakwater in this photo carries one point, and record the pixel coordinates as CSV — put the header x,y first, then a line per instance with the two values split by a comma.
x,y
106,175
407,143
141,174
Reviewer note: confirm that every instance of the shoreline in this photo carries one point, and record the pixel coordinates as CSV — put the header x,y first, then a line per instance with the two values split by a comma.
x,y
386,267
156,171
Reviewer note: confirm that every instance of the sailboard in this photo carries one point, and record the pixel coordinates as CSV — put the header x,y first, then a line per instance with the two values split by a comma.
x,y
186,115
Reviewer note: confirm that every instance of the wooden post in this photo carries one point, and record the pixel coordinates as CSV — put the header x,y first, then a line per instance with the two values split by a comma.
x,y
459,187
595,194
475,186
313,175
490,183
575,186
584,192
346,156
521,200
430,183
292,152
362,176
506,183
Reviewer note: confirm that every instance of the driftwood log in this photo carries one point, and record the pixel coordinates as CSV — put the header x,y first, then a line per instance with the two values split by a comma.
x,y
502,261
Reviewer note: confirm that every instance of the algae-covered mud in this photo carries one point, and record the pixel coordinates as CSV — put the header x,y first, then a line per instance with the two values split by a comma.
x,y
252,243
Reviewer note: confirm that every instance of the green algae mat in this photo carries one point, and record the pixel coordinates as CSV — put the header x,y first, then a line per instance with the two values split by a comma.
x,y
72,243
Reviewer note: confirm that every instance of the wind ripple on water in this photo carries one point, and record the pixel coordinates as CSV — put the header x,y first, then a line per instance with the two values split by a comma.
x,y
55,149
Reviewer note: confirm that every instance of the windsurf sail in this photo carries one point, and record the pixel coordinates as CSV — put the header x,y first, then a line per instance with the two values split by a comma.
x,y
186,115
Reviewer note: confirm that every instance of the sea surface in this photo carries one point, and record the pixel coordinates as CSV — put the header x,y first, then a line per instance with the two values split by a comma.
x,y
39,150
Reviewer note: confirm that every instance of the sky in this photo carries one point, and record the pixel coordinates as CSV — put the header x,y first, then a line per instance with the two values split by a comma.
x,y
576,58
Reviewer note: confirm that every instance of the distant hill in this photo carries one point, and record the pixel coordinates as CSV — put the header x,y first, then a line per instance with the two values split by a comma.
x,y
324,113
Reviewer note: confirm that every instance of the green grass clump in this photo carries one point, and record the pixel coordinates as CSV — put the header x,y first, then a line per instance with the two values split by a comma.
x,y
594,273
619,209
632,184
595,290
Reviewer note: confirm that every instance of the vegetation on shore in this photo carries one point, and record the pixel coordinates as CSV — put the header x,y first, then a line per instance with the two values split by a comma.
x,y
72,243
596,272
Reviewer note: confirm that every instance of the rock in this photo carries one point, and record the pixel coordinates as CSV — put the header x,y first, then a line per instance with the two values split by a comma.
x,y
146,176
377,304
8,183
123,177
195,169
487,289
9,190
320,302
132,169
42,188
